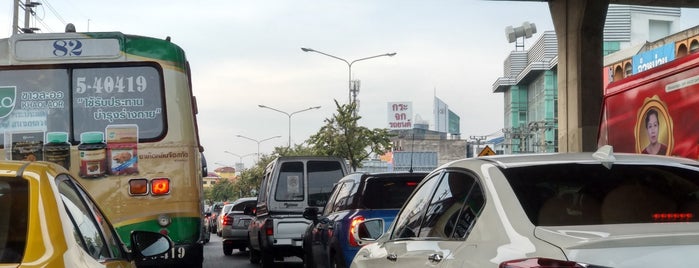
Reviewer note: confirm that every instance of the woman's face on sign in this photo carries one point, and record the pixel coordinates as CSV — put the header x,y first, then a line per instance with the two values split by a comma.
x,y
652,128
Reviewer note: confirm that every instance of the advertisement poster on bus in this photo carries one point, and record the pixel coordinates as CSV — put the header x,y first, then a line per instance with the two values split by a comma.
x,y
654,112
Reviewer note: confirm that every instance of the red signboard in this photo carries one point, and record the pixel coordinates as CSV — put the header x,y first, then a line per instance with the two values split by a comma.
x,y
656,111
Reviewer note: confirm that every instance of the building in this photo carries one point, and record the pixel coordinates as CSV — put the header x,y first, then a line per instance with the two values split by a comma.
x,y
210,179
530,82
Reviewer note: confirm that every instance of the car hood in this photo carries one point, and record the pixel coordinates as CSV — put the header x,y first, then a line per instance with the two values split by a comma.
x,y
627,245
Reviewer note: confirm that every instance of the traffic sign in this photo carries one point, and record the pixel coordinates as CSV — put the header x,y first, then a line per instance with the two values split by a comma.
x,y
486,151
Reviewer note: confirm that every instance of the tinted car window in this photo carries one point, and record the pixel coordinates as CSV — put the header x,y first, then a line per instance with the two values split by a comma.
x,y
453,208
241,206
387,192
322,175
344,196
290,184
407,223
14,205
86,230
582,194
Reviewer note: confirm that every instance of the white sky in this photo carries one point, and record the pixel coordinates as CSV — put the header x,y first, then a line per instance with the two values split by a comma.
x,y
245,53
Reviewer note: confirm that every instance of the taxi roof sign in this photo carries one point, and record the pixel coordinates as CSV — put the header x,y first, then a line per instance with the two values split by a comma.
x,y
486,151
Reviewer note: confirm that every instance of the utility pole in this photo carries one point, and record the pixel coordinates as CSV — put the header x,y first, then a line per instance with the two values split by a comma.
x,y
28,12
478,143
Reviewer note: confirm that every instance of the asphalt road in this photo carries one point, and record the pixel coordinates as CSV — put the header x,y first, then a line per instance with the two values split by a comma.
x,y
214,258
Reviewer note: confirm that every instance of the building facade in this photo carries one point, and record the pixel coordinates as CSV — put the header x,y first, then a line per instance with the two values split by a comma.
x,y
530,83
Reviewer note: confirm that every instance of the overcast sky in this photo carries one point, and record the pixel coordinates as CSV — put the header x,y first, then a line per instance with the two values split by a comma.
x,y
246,53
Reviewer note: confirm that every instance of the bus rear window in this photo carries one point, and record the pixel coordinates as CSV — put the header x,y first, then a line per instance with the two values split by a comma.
x,y
36,101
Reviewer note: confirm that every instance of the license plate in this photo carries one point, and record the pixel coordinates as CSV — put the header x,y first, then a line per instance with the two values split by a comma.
x,y
246,223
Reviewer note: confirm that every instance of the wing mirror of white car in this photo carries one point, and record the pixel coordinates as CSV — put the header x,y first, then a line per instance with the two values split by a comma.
x,y
149,246
368,231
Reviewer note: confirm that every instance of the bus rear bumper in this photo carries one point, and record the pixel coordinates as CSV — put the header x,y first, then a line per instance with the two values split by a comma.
x,y
182,255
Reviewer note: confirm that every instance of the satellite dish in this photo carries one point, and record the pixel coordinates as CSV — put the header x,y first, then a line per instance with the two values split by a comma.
x,y
526,30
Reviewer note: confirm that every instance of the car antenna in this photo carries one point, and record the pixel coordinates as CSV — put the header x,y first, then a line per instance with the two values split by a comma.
x,y
412,150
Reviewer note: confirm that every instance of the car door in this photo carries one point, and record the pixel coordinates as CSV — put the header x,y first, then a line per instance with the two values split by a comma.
x,y
434,222
91,230
323,231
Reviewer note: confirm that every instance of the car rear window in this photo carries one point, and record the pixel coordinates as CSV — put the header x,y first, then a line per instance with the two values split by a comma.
x,y
589,194
14,202
241,206
388,192
322,176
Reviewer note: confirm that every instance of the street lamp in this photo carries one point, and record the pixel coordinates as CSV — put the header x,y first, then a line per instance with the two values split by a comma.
x,y
289,115
349,65
239,156
258,142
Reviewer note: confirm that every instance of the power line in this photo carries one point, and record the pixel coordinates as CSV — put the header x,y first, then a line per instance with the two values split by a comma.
x,y
55,13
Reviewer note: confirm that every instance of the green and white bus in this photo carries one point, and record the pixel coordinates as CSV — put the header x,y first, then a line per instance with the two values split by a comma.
x,y
118,112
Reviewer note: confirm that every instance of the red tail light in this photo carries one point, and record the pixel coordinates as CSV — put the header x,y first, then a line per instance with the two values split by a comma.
x,y
356,220
160,186
269,228
227,220
539,263
673,216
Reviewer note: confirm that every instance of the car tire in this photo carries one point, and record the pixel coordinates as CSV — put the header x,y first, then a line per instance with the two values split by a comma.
x,y
227,250
254,256
337,262
308,256
267,259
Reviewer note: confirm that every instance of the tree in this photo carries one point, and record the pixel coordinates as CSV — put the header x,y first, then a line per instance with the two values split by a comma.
x,y
343,137
223,190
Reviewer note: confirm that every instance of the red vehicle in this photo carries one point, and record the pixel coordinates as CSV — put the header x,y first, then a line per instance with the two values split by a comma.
x,y
655,111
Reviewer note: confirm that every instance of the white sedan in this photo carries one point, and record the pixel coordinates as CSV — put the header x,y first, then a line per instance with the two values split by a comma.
x,y
550,210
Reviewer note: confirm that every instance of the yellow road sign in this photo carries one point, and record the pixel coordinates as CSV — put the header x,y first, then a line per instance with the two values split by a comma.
x,y
486,151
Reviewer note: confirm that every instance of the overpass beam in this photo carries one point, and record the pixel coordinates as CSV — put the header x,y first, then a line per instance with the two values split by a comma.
x,y
579,26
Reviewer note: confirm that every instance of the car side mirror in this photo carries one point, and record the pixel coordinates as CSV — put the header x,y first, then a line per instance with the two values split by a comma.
x,y
311,213
149,246
368,231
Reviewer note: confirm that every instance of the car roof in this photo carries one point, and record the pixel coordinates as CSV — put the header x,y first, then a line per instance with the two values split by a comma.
x,y
244,199
599,157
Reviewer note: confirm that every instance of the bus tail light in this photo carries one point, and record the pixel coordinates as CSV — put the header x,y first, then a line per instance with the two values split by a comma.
x,y
160,186
138,187
540,263
356,220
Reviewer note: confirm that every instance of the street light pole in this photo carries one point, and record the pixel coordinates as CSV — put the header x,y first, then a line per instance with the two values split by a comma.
x,y
239,156
258,143
349,66
289,115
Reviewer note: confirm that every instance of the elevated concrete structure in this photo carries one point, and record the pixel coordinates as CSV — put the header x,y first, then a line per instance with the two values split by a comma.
x,y
579,26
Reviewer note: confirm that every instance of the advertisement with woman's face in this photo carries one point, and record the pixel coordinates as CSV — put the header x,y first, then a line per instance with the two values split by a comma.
x,y
653,129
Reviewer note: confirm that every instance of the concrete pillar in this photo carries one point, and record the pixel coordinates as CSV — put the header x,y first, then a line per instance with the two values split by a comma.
x,y
579,26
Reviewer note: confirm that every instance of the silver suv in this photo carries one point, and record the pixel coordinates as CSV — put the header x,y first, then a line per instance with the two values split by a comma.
x,y
289,185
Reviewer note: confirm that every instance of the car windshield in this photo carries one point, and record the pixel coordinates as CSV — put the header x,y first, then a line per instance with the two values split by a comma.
x,y
586,194
14,204
388,192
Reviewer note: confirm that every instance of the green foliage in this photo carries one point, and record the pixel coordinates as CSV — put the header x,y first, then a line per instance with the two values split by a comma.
x,y
222,190
343,137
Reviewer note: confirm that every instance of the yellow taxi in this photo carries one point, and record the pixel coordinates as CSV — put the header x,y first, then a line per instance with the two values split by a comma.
x,y
48,220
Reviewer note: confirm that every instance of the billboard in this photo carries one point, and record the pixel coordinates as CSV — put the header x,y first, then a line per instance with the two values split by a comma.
x,y
653,58
400,115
